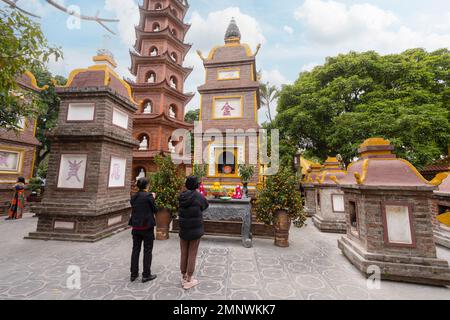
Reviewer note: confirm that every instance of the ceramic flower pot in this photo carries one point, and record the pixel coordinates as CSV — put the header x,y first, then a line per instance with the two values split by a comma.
x,y
163,220
282,226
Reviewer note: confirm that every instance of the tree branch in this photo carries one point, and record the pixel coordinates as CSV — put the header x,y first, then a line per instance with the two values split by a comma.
x,y
13,4
101,21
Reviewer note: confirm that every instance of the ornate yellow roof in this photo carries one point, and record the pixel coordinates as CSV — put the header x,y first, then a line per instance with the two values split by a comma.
x,y
88,77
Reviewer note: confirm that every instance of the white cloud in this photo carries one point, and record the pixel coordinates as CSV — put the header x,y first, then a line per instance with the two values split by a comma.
x,y
336,27
334,21
274,77
309,66
288,30
128,13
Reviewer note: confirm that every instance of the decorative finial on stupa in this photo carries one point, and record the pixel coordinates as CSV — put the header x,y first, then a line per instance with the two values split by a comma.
x,y
105,57
233,33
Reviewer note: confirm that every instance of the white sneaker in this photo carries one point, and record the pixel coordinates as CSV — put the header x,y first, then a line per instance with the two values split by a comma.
x,y
190,284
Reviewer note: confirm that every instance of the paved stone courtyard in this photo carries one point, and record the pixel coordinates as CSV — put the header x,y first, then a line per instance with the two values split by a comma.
x,y
312,268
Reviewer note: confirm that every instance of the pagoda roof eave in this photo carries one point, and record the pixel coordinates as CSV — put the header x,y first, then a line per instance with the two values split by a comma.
x,y
164,120
163,86
136,59
141,35
164,12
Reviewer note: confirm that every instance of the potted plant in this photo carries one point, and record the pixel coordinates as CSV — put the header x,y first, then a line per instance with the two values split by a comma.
x,y
278,203
246,172
166,183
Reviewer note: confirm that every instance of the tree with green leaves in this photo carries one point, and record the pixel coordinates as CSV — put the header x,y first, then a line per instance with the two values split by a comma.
x,y
166,182
192,116
49,111
22,47
269,94
401,97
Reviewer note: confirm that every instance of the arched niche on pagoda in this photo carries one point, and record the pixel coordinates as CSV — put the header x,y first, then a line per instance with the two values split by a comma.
x,y
174,56
174,32
156,27
147,107
158,6
173,111
173,81
150,77
174,12
139,172
154,51
144,141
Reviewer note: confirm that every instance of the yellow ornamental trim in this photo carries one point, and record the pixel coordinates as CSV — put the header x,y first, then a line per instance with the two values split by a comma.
x,y
375,142
439,178
444,218
212,53
34,81
108,73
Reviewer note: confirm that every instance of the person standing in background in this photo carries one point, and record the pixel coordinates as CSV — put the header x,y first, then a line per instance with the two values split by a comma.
x,y
143,223
192,204
18,201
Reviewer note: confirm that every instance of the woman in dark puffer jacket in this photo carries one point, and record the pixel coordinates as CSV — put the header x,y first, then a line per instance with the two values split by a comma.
x,y
192,205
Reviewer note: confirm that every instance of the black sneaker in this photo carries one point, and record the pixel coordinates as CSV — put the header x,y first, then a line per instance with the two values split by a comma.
x,y
147,279
133,278
9,218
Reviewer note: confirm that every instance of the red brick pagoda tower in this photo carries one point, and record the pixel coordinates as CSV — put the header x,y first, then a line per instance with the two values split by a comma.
x,y
157,63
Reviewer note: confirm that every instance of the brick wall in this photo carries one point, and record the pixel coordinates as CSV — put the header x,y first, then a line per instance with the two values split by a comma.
x,y
371,230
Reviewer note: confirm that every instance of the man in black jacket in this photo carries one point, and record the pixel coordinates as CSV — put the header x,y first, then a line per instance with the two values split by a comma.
x,y
192,204
143,223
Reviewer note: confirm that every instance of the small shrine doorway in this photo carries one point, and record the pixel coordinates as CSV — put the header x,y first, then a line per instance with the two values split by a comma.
x,y
227,162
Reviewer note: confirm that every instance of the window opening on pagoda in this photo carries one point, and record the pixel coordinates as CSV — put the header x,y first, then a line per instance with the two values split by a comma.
x,y
173,111
144,142
140,172
173,56
171,145
173,82
151,77
174,32
156,27
158,6
153,51
147,107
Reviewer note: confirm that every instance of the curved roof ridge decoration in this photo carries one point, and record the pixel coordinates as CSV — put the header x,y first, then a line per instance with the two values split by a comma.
x,y
331,172
33,81
108,72
442,180
379,166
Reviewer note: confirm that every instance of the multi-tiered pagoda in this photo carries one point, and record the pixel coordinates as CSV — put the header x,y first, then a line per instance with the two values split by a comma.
x,y
157,63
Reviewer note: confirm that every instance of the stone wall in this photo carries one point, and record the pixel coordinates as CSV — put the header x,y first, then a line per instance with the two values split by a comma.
x,y
369,205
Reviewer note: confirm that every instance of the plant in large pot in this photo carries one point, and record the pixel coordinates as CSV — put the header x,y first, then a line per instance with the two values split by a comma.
x,y
166,182
246,172
279,203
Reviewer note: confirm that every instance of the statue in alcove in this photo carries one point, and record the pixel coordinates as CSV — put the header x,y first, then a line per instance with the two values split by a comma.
x,y
148,108
144,144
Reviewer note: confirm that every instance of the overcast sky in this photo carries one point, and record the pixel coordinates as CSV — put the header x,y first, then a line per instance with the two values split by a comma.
x,y
295,35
